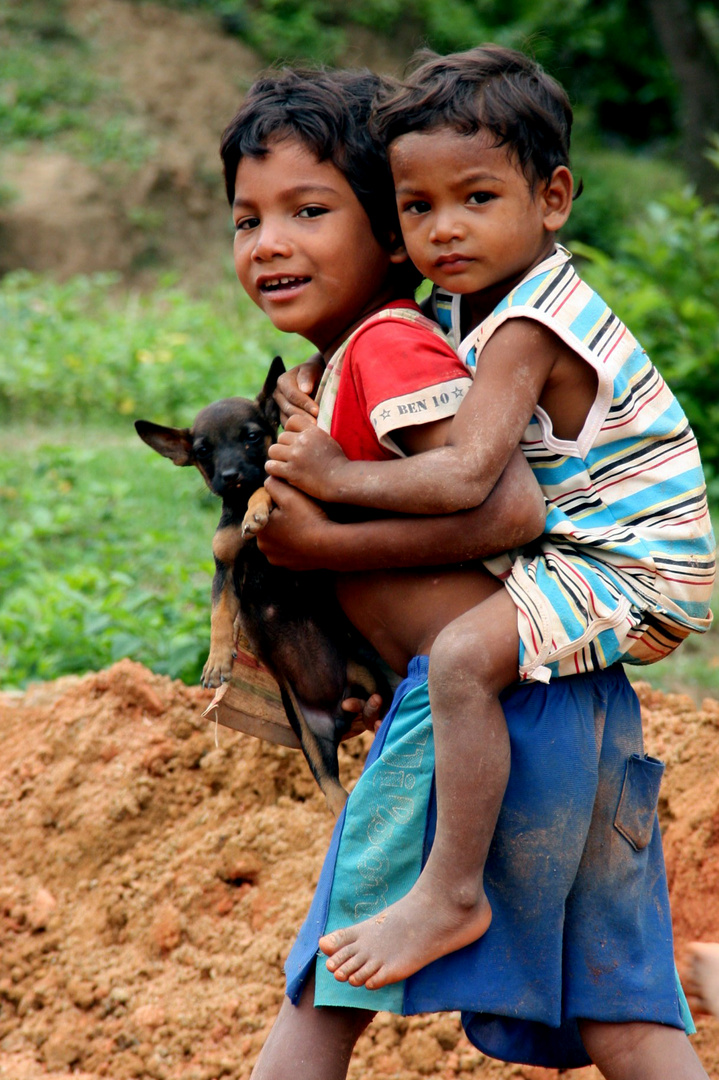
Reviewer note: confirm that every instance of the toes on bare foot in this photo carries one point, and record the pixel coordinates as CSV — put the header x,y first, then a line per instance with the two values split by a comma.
x,y
372,977
339,941
349,967
330,943
338,959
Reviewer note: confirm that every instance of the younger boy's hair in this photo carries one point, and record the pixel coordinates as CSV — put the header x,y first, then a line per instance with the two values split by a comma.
x,y
329,113
490,88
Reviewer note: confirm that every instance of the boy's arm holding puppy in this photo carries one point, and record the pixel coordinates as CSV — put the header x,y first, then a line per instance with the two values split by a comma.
x,y
302,536
522,364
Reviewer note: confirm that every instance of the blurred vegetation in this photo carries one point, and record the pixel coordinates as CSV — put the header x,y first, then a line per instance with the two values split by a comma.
x,y
105,549
87,351
101,557
664,283
623,61
51,90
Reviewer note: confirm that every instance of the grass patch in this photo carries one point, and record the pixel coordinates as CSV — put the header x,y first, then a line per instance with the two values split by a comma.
x,y
103,554
104,551
86,351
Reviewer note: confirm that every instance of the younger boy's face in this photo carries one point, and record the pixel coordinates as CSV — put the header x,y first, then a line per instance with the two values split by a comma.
x,y
304,249
470,220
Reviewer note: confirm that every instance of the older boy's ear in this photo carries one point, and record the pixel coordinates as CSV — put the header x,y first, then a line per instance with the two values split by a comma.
x,y
398,252
558,198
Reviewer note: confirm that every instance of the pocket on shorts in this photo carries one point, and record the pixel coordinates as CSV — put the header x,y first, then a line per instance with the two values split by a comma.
x,y
638,802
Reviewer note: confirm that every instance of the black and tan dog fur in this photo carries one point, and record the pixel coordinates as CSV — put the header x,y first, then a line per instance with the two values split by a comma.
x,y
291,620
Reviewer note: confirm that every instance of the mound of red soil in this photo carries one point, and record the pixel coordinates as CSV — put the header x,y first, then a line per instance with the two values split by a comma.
x,y
154,879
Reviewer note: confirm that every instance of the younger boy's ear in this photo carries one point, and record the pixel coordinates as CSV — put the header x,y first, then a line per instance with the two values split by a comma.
x,y
557,196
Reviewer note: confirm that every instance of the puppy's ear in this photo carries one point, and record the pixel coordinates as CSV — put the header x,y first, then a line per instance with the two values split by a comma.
x,y
265,401
172,443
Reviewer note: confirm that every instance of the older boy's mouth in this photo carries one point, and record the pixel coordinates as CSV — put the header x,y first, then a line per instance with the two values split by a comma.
x,y
279,284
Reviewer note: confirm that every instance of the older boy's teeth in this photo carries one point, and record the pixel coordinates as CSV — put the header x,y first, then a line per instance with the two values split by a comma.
x,y
278,283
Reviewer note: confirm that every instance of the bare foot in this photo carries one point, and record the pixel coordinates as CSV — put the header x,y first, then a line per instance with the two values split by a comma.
x,y
701,980
422,926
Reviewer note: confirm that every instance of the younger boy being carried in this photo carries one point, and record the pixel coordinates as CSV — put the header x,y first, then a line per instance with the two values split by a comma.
x,y
313,250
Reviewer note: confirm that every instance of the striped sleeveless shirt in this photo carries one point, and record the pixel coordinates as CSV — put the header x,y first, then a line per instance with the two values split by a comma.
x,y
628,532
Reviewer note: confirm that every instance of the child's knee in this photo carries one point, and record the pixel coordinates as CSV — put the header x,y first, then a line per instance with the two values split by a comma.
x,y
458,653
475,653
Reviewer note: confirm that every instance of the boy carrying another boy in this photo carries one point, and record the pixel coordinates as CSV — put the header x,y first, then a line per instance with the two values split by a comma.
x,y
308,250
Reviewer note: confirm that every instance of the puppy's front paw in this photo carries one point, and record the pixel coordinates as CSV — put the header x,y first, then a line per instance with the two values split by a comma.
x,y
218,668
258,512
254,521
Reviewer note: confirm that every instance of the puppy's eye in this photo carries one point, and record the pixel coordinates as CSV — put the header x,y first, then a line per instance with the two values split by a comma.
x,y
203,452
253,437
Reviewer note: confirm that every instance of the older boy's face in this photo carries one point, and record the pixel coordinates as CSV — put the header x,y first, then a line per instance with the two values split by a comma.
x,y
469,217
304,249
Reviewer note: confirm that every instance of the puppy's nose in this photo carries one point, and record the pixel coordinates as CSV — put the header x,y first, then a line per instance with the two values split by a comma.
x,y
231,476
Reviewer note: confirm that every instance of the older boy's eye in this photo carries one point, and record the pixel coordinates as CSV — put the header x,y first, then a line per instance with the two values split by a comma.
x,y
247,223
312,211
479,197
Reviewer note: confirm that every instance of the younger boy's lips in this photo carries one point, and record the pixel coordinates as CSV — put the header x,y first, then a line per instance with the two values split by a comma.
x,y
452,263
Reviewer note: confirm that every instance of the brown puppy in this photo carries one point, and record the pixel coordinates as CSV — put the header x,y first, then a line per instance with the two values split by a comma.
x,y
291,620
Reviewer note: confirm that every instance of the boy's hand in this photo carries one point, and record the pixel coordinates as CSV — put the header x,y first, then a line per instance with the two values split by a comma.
x,y
291,537
295,387
368,713
308,458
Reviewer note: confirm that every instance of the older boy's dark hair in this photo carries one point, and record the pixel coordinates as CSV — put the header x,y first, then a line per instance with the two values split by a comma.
x,y
328,112
486,88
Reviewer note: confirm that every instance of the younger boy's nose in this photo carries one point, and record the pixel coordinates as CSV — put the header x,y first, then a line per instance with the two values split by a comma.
x,y
445,227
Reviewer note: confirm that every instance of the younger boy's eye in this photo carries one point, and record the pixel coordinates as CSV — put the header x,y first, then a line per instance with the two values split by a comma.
x,y
312,211
418,206
479,197
246,223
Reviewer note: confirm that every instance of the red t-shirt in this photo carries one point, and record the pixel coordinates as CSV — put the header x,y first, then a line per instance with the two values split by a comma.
x,y
395,374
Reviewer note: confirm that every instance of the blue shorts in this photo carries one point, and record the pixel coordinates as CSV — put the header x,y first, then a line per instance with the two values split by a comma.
x,y
581,927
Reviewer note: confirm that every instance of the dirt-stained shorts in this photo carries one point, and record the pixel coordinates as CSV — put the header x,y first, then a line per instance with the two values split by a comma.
x,y
581,927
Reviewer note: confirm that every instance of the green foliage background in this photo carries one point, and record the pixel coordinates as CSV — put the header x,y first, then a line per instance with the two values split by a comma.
x,y
104,547
664,282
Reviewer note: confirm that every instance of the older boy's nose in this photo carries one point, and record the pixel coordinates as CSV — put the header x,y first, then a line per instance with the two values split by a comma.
x,y
270,243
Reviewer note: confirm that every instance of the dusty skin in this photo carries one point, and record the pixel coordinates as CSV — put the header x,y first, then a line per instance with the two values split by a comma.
x,y
153,883
354,953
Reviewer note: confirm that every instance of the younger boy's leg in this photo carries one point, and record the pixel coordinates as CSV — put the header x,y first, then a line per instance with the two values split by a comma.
x,y
471,662
306,1043
638,1051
